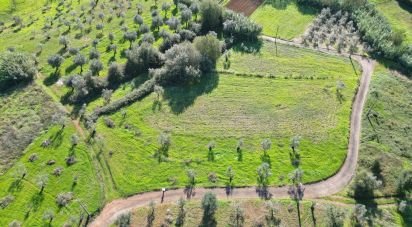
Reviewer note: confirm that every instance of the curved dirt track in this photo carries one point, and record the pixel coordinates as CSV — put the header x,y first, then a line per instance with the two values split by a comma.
x,y
327,187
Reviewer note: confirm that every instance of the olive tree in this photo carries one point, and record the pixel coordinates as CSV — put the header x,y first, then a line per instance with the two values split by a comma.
x,y
266,144
237,216
55,61
131,37
166,7
264,172
95,67
181,212
209,206
42,181
80,60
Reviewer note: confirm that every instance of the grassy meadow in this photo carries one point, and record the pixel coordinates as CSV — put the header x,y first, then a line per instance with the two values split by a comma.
x,y
26,111
292,19
225,108
398,14
260,96
29,205
386,126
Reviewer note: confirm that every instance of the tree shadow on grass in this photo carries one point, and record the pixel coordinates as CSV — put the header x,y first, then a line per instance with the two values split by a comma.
x,y
393,65
405,6
179,98
57,138
15,186
208,221
283,4
70,68
36,201
51,79
248,46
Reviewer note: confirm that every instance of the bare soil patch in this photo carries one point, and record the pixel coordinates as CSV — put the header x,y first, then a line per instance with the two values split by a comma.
x,y
247,7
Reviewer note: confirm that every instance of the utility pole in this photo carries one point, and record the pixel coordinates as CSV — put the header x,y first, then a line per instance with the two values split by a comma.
x,y
276,38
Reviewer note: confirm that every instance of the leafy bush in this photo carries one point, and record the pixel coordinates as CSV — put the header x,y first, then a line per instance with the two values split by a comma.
x,y
405,182
5,201
209,46
141,58
15,68
212,15
240,27
364,185
128,99
182,65
123,220
64,198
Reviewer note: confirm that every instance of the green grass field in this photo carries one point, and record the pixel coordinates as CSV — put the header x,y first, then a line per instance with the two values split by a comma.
x,y
7,8
30,38
398,15
291,18
226,108
29,205
26,111
260,96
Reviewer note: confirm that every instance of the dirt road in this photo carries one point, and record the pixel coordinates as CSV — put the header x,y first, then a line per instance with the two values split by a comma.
x,y
327,187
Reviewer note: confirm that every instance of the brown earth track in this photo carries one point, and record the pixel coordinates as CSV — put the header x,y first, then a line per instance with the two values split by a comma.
x,y
247,7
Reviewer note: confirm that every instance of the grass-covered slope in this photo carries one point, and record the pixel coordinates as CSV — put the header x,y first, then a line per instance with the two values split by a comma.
x,y
291,18
226,108
386,129
25,112
398,14
8,8
29,205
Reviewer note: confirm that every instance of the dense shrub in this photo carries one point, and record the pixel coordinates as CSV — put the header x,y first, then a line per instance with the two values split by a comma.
x,y
405,182
169,41
240,27
16,67
209,46
82,86
128,99
115,73
182,65
364,185
141,58
212,15
123,220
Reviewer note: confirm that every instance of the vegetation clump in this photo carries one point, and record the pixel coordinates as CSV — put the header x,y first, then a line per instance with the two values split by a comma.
x,y
15,68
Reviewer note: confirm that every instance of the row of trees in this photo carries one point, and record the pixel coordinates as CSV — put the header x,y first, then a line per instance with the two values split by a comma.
x,y
333,29
374,28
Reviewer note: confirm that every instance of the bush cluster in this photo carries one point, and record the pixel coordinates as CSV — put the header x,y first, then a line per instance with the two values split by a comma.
x,y
374,29
240,27
16,67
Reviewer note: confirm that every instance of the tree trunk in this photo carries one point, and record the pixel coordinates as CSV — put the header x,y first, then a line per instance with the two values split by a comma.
x,y
298,206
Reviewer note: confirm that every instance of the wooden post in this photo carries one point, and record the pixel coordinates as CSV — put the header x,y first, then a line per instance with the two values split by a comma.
x,y
276,38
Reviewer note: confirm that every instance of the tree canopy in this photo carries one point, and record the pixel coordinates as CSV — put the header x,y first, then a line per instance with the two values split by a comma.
x,y
16,67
